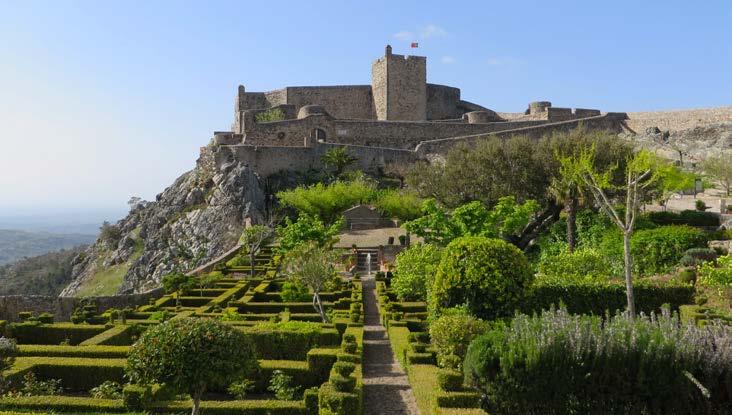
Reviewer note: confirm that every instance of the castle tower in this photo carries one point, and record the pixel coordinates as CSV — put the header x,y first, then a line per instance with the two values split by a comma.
x,y
399,86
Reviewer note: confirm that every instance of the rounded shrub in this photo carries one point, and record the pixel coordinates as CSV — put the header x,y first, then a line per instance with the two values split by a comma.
x,y
451,334
697,256
350,348
489,276
582,265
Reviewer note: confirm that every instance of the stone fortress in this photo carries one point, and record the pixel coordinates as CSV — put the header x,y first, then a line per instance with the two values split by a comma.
x,y
399,118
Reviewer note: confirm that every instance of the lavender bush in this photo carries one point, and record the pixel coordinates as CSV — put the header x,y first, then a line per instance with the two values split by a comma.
x,y
558,363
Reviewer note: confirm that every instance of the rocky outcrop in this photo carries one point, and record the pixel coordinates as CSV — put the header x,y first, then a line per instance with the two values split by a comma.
x,y
687,135
197,218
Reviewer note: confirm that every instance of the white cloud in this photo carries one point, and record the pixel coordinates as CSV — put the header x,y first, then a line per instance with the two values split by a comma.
x,y
404,35
502,61
432,31
447,60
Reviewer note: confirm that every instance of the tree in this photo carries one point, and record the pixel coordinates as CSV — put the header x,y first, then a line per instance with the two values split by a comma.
x,y
178,283
328,201
415,269
307,228
192,356
643,170
488,276
720,168
209,280
252,238
507,220
337,159
136,201
313,266
399,171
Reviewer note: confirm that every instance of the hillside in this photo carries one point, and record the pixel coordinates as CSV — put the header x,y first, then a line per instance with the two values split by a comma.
x,y
45,274
15,244
197,218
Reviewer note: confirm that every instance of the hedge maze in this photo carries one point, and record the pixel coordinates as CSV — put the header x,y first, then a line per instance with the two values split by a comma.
x,y
322,360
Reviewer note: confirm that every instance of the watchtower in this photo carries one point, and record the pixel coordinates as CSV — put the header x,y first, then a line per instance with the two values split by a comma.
x,y
399,87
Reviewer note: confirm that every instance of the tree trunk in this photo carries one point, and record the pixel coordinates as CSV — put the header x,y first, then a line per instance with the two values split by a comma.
x,y
196,403
628,273
319,307
572,223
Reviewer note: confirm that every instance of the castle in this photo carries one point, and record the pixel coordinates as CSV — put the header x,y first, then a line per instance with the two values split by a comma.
x,y
398,118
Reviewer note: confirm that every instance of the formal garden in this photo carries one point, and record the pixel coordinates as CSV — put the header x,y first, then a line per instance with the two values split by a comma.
x,y
537,278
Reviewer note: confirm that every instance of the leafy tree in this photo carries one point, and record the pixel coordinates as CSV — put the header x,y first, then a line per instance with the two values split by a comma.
x,y
252,238
307,228
191,355
178,283
328,201
719,167
415,269
643,171
507,219
398,204
337,159
109,233
488,276
312,265
399,171
136,201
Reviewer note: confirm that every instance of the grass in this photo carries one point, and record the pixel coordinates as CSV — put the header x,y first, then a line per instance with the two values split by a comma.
x,y
107,281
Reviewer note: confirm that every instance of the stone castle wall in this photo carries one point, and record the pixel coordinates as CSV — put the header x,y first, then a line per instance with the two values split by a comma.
x,y
344,102
442,102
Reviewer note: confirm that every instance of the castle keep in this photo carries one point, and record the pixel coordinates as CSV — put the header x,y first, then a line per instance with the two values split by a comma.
x,y
398,118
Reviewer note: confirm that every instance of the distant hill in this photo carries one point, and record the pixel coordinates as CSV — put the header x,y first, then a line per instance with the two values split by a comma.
x,y
45,274
16,245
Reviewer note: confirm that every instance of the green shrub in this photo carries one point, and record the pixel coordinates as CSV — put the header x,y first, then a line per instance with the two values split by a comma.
x,y
45,318
35,387
450,380
135,397
344,368
333,402
342,383
294,292
415,269
398,204
686,276
556,363
451,334
107,390
350,348
697,256
717,275
240,389
281,385
686,217
474,269
289,340
657,250
582,265
35,333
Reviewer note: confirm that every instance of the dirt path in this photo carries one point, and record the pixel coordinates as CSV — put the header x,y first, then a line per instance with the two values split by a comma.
x,y
386,387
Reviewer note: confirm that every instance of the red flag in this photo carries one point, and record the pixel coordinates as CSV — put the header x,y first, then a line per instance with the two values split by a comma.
x,y
415,44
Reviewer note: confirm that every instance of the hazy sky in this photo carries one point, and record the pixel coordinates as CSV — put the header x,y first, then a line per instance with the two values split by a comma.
x,y
101,100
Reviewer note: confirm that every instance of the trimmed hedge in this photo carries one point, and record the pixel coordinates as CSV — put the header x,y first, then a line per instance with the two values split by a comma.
x,y
289,344
686,217
26,350
35,333
116,336
245,407
77,374
597,298
62,404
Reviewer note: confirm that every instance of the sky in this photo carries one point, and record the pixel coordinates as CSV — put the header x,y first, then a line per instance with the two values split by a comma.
x,y
100,101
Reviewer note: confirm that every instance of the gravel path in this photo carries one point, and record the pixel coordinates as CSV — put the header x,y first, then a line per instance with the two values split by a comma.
x,y
386,387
